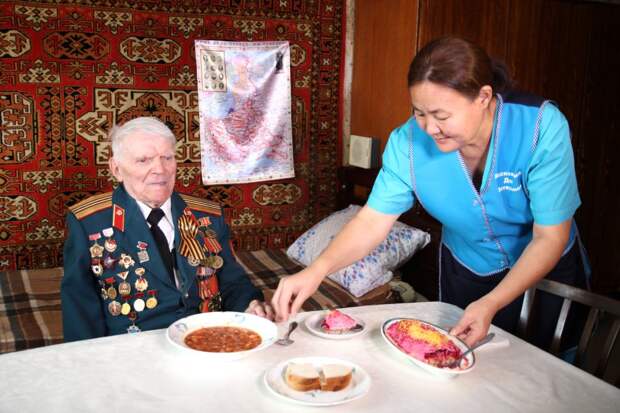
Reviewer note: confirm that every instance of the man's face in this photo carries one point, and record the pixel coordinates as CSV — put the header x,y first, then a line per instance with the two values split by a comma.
x,y
147,168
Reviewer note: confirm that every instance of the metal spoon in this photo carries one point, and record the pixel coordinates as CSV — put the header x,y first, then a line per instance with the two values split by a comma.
x,y
285,341
457,362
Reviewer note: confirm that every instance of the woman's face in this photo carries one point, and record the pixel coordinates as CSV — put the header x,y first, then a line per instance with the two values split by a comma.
x,y
450,118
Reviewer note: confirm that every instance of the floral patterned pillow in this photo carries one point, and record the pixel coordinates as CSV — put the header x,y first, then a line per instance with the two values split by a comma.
x,y
373,270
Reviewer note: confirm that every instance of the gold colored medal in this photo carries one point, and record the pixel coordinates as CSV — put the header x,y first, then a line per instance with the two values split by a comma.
x,y
151,303
217,262
96,251
111,292
125,308
126,261
124,288
141,284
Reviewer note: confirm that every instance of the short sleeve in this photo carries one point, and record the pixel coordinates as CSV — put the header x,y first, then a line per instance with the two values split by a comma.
x,y
551,180
392,192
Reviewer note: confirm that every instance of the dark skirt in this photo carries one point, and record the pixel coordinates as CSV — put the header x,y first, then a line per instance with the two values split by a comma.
x,y
460,286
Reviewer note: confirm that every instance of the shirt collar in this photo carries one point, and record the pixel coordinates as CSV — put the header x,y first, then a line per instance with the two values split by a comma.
x,y
166,207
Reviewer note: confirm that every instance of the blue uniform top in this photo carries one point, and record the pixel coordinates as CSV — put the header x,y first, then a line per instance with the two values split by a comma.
x,y
529,177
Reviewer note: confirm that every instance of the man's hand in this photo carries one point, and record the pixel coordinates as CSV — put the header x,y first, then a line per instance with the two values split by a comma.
x,y
261,309
292,292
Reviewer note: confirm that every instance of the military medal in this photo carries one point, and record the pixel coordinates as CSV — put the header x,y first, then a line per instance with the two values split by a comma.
x,y
193,261
95,265
125,308
109,244
139,303
133,329
104,293
96,250
114,308
126,261
124,288
108,262
132,316
151,302
217,262
141,284
111,291
143,255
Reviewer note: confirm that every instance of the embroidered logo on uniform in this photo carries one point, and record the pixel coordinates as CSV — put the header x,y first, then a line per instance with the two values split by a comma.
x,y
508,181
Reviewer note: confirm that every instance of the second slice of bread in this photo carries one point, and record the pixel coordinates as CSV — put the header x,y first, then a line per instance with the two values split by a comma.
x,y
335,377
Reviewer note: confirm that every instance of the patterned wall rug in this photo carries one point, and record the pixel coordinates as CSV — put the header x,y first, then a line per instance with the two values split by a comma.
x,y
69,72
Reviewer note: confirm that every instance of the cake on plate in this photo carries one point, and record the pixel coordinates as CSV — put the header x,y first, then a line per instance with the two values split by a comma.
x,y
424,342
338,322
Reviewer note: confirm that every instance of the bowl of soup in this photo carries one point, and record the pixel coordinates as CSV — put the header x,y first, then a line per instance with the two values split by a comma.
x,y
222,335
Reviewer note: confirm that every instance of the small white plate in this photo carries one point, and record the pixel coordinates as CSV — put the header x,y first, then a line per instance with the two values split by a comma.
x,y
438,371
313,323
177,331
276,383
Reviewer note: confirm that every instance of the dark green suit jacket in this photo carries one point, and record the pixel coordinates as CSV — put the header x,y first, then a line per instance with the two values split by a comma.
x,y
85,309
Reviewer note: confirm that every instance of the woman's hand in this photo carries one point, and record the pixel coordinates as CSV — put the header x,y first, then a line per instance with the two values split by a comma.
x,y
293,291
475,322
261,309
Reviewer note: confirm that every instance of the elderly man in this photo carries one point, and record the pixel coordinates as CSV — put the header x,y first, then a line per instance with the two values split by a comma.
x,y
143,256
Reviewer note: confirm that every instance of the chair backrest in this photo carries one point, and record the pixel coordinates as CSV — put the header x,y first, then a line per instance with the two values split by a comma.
x,y
598,306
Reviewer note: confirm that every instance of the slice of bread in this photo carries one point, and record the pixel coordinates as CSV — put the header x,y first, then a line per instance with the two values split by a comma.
x,y
302,377
329,377
335,377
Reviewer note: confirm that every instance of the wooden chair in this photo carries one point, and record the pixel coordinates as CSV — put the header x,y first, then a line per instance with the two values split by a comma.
x,y
599,307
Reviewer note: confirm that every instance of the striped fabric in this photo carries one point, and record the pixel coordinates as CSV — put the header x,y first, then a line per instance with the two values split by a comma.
x,y
30,313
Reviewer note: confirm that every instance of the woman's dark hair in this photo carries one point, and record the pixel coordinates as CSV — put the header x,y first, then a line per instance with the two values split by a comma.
x,y
460,65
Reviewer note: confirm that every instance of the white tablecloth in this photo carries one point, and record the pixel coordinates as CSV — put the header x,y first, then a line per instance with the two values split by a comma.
x,y
142,373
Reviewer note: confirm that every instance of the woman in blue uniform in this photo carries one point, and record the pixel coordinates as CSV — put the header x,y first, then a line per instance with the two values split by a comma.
x,y
494,167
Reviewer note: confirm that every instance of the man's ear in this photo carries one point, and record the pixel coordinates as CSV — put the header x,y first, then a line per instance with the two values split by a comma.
x,y
114,168
485,95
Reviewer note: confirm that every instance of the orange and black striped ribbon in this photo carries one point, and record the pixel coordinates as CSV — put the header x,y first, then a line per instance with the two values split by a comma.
x,y
189,246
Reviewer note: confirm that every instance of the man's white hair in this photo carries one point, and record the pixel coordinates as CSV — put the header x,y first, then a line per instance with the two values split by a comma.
x,y
147,125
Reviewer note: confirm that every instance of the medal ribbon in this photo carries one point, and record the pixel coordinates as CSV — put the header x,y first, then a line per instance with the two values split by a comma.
x,y
212,245
189,246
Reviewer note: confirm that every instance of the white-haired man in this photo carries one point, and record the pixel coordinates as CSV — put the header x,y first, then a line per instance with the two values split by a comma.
x,y
143,256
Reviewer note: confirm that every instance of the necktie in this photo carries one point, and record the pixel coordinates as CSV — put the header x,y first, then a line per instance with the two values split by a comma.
x,y
160,239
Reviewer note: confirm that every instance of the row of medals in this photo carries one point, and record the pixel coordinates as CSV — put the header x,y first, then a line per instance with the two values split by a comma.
x,y
98,262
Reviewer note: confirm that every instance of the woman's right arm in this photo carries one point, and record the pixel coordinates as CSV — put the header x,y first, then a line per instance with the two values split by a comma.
x,y
360,236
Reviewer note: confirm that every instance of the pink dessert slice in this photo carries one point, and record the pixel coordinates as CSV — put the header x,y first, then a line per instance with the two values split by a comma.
x,y
336,321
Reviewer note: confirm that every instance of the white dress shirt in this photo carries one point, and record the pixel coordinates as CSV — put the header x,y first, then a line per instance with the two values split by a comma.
x,y
165,224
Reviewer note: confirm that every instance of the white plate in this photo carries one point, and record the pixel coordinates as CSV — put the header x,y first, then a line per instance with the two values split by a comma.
x,y
179,329
313,323
359,386
439,371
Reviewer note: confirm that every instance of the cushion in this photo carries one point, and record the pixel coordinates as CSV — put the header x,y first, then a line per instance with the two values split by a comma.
x,y
371,271
266,267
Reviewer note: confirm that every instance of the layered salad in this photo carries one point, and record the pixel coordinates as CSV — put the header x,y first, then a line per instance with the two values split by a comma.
x,y
423,342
